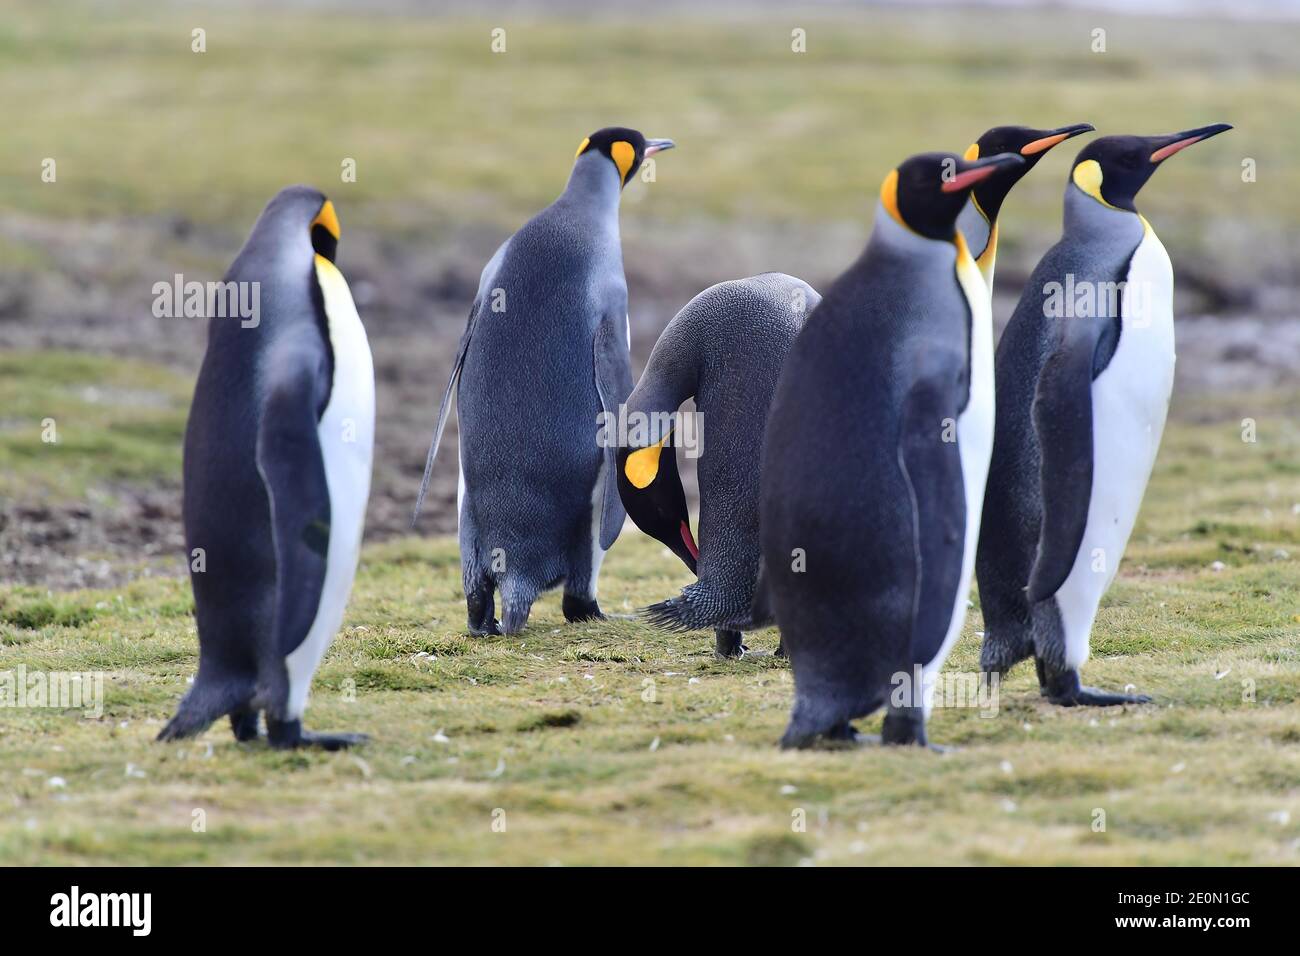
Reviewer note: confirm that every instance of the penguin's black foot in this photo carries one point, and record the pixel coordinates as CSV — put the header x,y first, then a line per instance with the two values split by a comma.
x,y
481,612
1095,697
838,737
1064,689
244,724
904,726
842,734
334,741
728,645
780,650
578,608
289,735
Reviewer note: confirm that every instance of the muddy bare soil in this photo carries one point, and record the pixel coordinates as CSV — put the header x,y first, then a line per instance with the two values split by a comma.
x,y
414,297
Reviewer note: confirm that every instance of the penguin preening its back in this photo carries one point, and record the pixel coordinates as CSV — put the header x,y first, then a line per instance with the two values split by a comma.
x,y
725,350
874,461
544,354
1084,376
978,221
277,466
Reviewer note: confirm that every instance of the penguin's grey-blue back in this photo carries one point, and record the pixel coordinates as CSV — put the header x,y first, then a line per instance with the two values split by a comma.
x,y
277,466
725,350
544,353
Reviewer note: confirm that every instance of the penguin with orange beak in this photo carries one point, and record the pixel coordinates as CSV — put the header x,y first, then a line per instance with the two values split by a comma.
x,y
725,350
545,355
1084,373
874,461
978,222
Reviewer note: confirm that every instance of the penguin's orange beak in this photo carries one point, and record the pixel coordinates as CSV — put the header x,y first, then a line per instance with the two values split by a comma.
x,y
1176,142
653,146
970,173
1055,137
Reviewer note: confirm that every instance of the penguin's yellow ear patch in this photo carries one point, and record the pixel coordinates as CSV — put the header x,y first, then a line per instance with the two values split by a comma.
x,y
889,197
1087,176
582,147
642,466
327,218
972,153
624,156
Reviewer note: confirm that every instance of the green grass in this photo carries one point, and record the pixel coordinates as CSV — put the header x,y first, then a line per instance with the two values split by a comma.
x,y
445,132
558,729
70,421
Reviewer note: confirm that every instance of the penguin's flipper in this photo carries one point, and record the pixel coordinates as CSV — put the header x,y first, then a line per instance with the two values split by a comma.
x,y
445,408
932,469
293,470
1063,424
614,383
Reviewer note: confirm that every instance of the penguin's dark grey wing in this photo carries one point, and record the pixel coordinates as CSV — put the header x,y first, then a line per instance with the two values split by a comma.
x,y
1063,424
293,470
614,383
932,467
445,409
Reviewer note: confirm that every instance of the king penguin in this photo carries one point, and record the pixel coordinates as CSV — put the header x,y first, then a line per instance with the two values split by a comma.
x,y
276,477
544,354
874,462
725,349
1085,369
978,221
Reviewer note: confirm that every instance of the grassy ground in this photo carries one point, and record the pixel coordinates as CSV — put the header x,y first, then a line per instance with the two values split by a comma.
x,y
614,743
70,421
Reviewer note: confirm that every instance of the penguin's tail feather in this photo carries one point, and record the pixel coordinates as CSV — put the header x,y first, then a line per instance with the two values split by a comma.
x,y
205,703
695,609
444,410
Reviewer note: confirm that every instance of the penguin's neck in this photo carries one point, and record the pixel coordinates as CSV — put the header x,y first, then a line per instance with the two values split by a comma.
x,y
1086,217
981,232
671,377
593,190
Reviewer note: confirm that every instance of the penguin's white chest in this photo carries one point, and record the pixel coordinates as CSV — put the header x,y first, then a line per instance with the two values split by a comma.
x,y
347,437
1130,400
974,442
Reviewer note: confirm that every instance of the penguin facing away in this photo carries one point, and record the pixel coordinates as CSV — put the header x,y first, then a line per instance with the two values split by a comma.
x,y
544,354
277,465
874,462
978,221
724,349
1084,375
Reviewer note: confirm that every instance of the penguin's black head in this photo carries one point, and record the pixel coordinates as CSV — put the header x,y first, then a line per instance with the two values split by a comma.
x,y
302,207
927,192
651,490
1032,144
1113,169
625,148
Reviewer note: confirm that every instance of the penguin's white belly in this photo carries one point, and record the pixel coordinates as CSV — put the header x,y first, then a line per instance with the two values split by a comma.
x,y
975,447
347,435
1130,400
